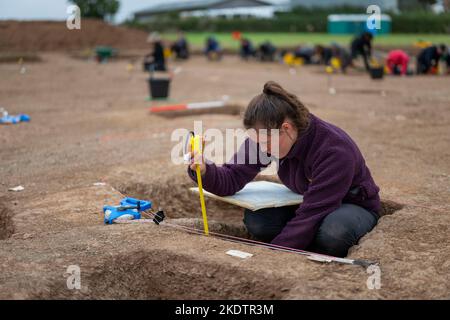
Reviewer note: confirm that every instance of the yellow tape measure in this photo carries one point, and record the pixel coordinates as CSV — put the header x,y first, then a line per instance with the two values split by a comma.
x,y
196,145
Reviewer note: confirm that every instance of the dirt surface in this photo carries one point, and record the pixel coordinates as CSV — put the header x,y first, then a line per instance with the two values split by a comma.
x,y
54,35
90,123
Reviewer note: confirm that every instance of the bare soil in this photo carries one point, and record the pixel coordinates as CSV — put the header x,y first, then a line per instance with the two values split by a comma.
x,y
90,123
55,36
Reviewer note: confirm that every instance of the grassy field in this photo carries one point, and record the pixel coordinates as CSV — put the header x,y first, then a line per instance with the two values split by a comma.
x,y
197,39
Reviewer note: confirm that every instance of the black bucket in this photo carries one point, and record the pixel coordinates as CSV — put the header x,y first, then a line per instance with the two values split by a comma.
x,y
159,88
377,73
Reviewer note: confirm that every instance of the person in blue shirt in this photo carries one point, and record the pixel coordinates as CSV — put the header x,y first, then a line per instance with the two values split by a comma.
x,y
212,49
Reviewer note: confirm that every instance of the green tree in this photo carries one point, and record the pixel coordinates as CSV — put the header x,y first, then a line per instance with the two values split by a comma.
x,y
427,3
99,9
414,5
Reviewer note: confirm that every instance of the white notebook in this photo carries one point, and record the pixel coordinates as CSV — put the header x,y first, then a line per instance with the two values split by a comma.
x,y
258,195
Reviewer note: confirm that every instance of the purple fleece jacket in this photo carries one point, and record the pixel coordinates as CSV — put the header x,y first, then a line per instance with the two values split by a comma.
x,y
323,165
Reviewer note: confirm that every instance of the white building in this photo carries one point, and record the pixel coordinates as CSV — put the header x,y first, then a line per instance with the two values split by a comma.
x,y
388,5
213,8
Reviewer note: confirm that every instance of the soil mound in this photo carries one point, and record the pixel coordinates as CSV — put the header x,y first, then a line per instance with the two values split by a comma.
x,y
54,36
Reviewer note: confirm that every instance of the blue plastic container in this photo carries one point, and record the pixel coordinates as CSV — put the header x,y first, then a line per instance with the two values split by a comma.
x,y
128,206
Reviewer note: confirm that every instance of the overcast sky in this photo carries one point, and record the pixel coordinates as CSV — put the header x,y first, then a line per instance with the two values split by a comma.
x,y
56,9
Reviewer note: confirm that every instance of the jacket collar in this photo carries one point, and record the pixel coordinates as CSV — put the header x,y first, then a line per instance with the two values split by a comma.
x,y
304,141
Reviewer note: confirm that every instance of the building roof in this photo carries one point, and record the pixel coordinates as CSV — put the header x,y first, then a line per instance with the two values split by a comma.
x,y
354,17
383,4
192,5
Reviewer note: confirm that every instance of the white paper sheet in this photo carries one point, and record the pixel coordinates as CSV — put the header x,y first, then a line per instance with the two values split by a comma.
x,y
258,195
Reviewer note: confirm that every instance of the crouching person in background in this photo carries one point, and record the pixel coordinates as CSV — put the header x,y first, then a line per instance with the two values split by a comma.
x,y
397,62
428,59
247,51
362,46
267,51
155,60
212,49
181,47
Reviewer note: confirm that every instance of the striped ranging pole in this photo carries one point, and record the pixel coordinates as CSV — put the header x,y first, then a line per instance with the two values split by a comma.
x,y
189,106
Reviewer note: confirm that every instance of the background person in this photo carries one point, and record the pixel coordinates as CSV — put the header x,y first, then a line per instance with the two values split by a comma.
x,y
212,49
343,56
155,60
247,51
362,46
324,54
304,52
327,54
181,47
397,62
428,58
267,51
446,59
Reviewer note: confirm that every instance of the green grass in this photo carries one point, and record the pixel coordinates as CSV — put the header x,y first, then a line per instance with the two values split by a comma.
x,y
197,39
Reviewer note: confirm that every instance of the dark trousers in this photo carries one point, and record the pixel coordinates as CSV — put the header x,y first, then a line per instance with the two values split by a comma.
x,y
338,231
356,52
422,67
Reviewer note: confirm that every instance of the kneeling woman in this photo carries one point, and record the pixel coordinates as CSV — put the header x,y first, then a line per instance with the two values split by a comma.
x,y
316,159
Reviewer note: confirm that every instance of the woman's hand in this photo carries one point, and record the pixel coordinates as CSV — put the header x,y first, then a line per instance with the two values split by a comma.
x,y
197,159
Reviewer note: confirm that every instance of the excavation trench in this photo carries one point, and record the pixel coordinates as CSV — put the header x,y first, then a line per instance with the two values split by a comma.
x,y
170,191
182,207
161,274
6,222
156,273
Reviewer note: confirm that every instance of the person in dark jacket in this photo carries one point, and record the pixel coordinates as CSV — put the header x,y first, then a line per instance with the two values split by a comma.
x,y
362,46
181,47
428,58
155,60
324,54
247,51
212,49
447,58
267,51
342,55
316,159
304,52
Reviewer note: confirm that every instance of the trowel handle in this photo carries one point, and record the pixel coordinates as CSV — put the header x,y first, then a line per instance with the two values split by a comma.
x,y
196,143
196,146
